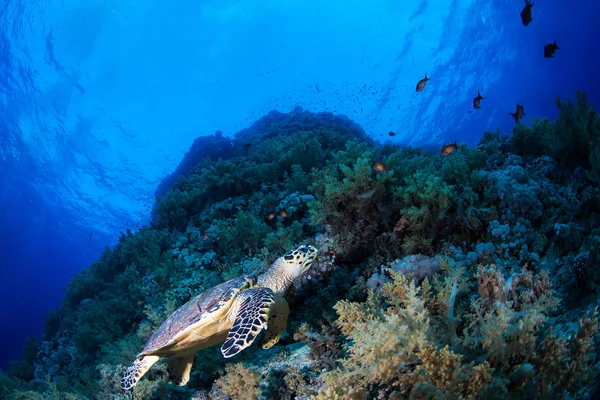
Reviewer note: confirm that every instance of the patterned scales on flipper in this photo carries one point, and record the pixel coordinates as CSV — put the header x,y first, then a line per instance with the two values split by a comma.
x,y
139,367
251,318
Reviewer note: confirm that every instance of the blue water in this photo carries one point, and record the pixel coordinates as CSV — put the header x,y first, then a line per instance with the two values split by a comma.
x,y
99,100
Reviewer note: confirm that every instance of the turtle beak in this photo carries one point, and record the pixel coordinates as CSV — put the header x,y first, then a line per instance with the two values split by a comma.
x,y
311,256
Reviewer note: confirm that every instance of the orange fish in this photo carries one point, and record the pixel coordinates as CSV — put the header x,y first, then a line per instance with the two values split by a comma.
x,y
519,114
380,167
205,237
421,83
448,149
477,100
526,13
283,214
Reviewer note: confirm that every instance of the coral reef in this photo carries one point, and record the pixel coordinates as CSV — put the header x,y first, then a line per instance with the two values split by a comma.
x,y
471,276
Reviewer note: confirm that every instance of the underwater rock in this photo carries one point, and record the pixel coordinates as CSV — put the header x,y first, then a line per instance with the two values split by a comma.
x,y
417,265
212,147
501,240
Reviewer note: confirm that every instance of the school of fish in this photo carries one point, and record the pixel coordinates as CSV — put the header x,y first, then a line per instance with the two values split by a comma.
x,y
447,149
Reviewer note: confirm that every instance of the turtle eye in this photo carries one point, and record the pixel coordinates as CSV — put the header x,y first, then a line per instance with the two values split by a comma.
x,y
289,256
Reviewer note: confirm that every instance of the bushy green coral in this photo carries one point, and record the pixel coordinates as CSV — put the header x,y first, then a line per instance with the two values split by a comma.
x,y
406,161
347,185
352,198
247,232
494,146
304,149
530,141
424,201
575,135
288,145
572,139
207,184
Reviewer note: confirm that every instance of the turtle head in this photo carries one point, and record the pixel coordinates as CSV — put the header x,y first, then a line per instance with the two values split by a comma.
x,y
287,268
300,259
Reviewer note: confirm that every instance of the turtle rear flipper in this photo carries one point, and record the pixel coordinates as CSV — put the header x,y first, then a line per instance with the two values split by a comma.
x,y
137,370
179,369
250,319
277,322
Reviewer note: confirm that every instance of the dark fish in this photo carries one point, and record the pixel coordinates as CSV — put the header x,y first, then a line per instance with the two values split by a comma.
x,y
246,145
421,83
477,100
526,13
392,133
549,49
519,114
90,239
448,149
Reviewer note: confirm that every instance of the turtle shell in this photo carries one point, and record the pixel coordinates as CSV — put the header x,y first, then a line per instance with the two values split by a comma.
x,y
197,309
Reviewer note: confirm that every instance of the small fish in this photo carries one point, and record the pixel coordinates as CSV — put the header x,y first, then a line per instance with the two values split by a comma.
x,y
283,214
526,13
448,149
366,195
519,114
380,167
392,133
228,228
205,237
421,83
90,239
246,145
549,49
271,216
317,86
477,100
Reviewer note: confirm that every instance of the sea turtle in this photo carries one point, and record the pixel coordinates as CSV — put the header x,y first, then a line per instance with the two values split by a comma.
x,y
233,312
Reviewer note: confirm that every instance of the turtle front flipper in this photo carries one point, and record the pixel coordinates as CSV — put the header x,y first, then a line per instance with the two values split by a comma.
x,y
250,319
137,370
277,322
179,369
